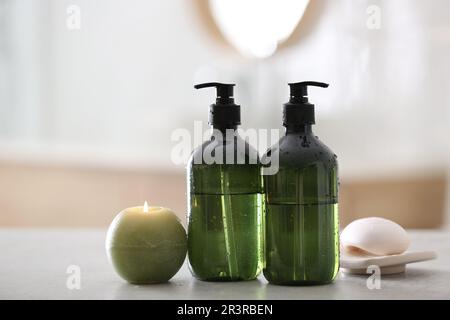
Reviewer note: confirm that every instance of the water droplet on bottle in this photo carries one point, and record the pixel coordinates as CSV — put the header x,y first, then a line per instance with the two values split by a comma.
x,y
305,142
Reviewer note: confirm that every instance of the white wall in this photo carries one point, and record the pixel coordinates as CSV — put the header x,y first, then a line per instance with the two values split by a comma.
x,y
113,91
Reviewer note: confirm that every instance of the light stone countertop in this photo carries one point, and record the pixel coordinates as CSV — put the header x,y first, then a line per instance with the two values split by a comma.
x,y
34,263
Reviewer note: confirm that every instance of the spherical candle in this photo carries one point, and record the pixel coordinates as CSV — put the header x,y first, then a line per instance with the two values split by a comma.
x,y
146,244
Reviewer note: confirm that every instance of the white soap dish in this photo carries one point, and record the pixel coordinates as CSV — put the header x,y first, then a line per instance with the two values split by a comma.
x,y
390,264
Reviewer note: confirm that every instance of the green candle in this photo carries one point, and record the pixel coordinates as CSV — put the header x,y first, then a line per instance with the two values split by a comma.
x,y
146,244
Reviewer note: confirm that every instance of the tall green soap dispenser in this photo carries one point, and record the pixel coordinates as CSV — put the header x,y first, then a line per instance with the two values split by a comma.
x,y
224,198
301,218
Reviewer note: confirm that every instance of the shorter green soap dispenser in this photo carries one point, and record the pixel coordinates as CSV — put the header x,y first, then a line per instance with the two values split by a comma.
x,y
225,199
301,218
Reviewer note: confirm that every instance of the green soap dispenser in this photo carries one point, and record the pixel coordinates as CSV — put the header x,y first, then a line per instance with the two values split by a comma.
x,y
225,199
301,215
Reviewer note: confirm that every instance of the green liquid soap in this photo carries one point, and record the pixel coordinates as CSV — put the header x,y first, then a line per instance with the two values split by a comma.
x,y
296,252
213,255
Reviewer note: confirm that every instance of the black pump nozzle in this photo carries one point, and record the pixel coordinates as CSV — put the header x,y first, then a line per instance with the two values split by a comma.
x,y
224,113
298,111
299,90
224,91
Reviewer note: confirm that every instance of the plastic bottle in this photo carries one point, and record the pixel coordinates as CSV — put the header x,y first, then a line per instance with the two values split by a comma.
x,y
224,198
301,218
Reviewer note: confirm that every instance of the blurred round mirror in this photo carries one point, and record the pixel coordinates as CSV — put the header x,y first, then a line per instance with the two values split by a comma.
x,y
257,27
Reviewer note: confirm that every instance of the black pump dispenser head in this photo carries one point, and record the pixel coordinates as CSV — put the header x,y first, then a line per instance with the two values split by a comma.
x,y
298,111
224,113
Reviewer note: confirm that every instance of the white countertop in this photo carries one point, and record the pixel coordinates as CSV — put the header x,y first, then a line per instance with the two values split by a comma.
x,y
34,262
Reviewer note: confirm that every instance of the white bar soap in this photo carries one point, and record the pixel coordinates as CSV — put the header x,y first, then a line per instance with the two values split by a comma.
x,y
377,242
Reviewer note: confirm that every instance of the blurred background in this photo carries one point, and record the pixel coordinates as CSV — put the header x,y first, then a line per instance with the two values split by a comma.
x,y
91,91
